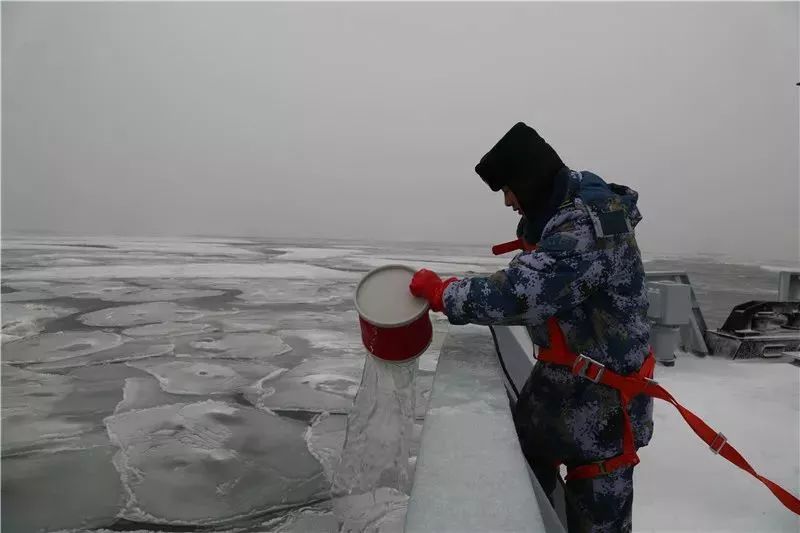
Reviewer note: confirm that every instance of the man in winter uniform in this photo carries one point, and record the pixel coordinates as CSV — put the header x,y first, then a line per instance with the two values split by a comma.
x,y
579,279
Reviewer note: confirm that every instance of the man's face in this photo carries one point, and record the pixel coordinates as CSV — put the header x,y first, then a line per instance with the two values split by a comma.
x,y
511,200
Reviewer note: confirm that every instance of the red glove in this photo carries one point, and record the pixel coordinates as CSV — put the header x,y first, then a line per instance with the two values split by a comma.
x,y
427,284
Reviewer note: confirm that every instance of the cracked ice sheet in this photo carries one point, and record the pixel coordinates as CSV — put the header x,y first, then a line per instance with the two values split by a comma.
x,y
209,462
136,315
184,270
318,384
210,376
51,347
24,320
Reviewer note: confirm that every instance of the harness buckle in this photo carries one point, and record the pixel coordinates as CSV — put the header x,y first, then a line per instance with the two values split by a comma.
x,y
602,466
581,368
722,441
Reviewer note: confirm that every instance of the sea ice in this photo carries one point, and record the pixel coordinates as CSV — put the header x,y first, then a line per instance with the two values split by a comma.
x,y
318,384
23,320
162,295
128,351
29,399
183,270
136,315
65,489
243,345
207,376
168,329
51,347
208,462
308,254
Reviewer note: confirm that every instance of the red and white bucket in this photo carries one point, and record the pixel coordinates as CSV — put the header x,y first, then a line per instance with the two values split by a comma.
x,y
395,325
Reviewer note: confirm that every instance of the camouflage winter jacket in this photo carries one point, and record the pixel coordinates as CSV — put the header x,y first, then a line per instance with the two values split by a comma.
x,y
587,272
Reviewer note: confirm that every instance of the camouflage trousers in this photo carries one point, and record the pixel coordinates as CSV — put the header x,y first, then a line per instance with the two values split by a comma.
x,y
598,505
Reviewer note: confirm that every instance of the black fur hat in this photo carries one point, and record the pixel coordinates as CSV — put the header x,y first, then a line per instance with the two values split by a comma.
x,y
520,158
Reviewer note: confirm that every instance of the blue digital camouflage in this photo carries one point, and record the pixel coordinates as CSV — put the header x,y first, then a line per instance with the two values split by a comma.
x,y
587,272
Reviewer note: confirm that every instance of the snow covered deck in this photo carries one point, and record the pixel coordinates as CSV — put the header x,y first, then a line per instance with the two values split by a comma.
x,y
471,475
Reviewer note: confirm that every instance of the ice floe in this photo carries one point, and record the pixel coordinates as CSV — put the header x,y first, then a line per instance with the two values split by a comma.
x,y
208,462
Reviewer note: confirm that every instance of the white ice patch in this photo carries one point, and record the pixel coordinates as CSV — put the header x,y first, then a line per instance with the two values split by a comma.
x,y
184,270
208,462
244,345
136,315
58,346
24,320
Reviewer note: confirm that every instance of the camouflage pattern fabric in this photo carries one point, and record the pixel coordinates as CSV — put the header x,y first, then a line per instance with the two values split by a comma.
x,y
588,273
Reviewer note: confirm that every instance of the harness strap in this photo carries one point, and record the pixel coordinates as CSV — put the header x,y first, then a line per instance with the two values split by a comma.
x,y
642,383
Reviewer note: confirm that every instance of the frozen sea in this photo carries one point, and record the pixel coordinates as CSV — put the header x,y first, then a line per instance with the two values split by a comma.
x,y
204,384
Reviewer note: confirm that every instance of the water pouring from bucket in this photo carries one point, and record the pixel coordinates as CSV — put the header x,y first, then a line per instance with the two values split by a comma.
x,y
396,329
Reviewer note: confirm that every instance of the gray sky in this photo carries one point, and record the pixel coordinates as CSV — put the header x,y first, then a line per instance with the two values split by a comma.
x,y
365,120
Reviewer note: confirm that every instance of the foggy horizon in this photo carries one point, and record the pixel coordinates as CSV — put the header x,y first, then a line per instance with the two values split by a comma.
x,y
364,121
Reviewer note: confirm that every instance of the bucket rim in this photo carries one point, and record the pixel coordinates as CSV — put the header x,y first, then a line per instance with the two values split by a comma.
x,y
379,324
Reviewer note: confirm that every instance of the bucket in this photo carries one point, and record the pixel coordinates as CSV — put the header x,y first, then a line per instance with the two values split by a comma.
x,y
395,325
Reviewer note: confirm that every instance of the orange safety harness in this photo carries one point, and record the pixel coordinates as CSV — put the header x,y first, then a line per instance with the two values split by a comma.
x,y
632,385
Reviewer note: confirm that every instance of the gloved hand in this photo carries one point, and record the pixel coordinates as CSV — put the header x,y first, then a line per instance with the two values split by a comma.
x,y
427,284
